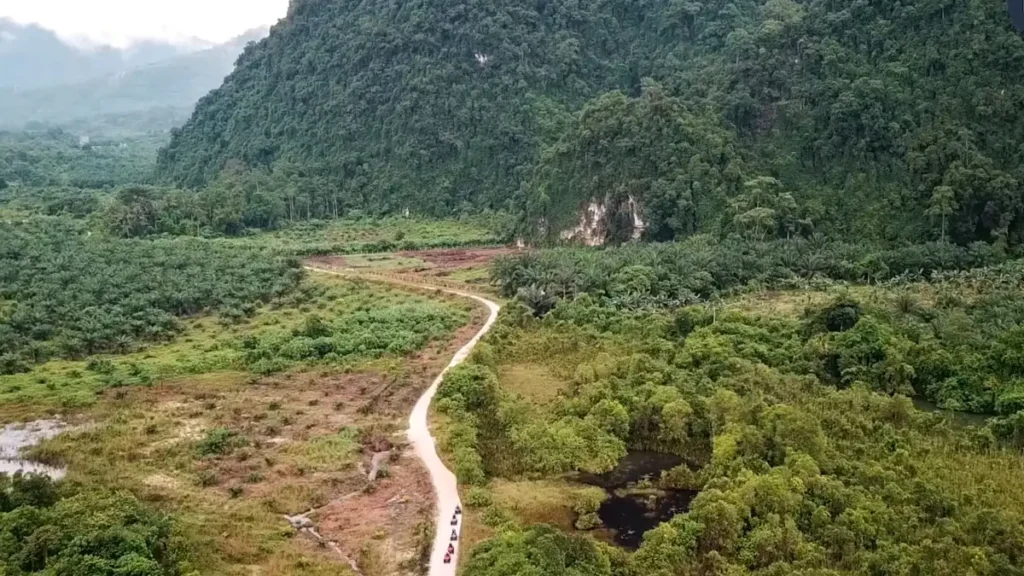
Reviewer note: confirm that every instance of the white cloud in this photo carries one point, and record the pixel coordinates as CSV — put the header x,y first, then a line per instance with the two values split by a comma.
x,y
119,22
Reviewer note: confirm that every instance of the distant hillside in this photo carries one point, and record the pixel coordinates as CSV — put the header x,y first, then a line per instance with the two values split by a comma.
x,y
612,119
33,57
155,96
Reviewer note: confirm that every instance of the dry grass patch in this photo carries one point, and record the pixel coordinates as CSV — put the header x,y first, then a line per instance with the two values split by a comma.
x,y
533,381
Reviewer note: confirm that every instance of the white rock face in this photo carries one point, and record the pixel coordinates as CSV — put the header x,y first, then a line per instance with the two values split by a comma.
x,y
592,226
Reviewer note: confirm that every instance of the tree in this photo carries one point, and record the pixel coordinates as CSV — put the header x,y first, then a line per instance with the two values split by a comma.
x,y
942,204
764,208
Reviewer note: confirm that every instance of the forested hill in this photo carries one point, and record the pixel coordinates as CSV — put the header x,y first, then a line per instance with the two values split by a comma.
x,y
418,104
887,120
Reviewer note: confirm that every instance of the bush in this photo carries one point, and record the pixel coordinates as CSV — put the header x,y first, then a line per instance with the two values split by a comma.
x,y
47,532
477,497
220,442
496,517
585,503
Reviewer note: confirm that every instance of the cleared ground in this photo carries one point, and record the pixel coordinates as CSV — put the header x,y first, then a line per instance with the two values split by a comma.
x,y
231,453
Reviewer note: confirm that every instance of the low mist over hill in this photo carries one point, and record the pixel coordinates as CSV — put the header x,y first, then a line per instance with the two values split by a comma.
x,y
34,57
147,87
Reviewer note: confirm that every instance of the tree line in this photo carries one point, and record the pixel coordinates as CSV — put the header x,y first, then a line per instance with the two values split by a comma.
x,y
702,268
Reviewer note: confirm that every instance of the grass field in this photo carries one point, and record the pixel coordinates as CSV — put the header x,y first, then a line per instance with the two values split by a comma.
x,y
377,235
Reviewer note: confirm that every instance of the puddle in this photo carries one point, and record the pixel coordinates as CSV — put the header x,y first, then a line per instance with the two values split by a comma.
x,y
628,512
16,437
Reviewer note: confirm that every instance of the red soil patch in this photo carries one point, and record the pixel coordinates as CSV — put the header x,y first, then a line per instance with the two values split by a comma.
x,y
451,259
459,258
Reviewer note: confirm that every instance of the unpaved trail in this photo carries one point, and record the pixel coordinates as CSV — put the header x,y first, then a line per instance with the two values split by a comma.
x,y
445,484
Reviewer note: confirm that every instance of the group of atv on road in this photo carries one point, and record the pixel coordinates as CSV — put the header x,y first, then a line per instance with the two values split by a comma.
x,y
455,535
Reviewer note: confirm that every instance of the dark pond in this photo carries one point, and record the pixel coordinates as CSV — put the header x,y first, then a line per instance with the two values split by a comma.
x,y
962,418
630,514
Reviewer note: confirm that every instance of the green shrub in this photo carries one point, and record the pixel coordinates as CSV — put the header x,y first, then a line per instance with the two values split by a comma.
x,y
477,497
219,442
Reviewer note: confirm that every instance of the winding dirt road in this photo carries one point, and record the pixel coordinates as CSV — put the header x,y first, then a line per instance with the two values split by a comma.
x,y
445,485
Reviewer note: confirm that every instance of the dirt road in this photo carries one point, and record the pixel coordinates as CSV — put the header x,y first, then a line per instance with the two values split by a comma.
x,y
445,485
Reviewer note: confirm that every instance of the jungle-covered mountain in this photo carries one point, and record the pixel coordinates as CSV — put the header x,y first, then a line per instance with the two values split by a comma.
x,y
154,96
663,118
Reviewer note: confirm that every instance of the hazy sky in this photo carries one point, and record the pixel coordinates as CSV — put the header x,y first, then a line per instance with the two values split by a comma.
x,y
120,21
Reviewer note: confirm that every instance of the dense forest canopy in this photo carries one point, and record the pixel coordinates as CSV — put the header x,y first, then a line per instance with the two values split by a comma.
x,y
55,158
48,528
954,353
793,426
413,105
780,117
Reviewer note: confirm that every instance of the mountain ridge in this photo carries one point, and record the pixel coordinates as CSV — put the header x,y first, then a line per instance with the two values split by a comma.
x,y
171,85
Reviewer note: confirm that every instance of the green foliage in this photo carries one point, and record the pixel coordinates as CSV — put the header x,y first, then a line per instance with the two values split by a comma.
x,y
468,395
220,442
491,431
585,503
868,121
477,497
539,551
432,108
54,158
101,533
396,331
65,292
377,235
651,152
701,268
797,431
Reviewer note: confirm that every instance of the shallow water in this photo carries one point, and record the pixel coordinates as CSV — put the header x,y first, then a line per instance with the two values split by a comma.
x,y
962,418
16,437
629,516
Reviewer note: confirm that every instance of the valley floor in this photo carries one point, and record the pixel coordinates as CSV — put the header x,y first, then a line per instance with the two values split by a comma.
x,y
264,474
